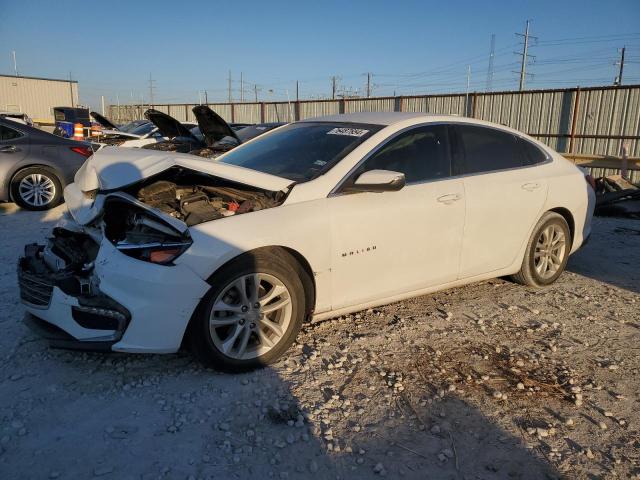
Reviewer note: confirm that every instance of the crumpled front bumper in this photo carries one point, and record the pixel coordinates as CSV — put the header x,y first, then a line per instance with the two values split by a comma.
x,y
121,304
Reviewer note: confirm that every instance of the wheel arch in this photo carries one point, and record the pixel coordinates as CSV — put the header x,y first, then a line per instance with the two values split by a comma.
x,y
568,216
297,260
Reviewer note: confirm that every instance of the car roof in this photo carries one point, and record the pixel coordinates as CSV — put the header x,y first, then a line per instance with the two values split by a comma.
x,y
374,118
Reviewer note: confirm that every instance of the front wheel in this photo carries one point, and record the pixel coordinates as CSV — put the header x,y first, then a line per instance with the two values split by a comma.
x,y
547,252
251,315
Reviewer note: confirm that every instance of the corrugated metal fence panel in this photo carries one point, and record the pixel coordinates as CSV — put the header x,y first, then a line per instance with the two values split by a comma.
x,y
222,109
446,105
279,112
313,109
608,112
369,105
601,111
413,104
247,113
178,112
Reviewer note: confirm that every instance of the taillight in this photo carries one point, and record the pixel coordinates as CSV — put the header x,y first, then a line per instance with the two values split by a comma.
x,y
84,151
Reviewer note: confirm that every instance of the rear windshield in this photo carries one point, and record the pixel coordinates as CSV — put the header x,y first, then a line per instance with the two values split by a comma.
x,y
301,151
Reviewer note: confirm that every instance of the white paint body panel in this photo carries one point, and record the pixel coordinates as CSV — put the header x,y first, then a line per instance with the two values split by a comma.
x,y
365,249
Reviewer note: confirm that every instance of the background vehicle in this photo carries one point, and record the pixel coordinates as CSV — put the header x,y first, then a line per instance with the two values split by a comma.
x,y
315,219
67,117
35,165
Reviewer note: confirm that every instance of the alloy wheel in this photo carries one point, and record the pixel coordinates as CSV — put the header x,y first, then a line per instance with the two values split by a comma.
x,y
250,316
550,251
37,190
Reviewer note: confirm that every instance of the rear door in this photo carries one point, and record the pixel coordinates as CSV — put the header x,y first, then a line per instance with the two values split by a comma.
x,y
14,147
505,194
385,244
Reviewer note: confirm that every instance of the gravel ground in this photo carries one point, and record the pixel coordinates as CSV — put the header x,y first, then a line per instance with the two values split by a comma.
x,y
493,380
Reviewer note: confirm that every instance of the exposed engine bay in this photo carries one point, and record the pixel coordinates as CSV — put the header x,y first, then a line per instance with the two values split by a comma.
x,y
195,198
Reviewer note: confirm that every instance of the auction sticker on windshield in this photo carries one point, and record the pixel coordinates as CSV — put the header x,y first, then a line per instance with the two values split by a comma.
x,y
350,132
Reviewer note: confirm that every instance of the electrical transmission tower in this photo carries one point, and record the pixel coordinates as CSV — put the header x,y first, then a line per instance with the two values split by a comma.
x,y
492,55
525,55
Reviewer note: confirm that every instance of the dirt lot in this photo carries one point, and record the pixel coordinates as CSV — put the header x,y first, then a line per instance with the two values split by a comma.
x,y
488,381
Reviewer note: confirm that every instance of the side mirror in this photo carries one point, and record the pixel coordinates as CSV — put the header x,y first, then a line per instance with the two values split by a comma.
x,y
378,181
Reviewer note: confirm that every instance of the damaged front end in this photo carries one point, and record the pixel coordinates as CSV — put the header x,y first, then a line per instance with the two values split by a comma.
x,y
109,277
61,272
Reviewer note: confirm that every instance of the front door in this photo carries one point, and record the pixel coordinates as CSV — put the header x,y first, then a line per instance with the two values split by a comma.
x,y
384,244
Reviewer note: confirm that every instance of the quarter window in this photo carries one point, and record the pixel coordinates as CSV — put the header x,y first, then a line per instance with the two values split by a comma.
x,y
7,133
488,149
533,154
422,154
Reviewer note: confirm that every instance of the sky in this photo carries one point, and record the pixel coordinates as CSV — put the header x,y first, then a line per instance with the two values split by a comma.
x,y
408,47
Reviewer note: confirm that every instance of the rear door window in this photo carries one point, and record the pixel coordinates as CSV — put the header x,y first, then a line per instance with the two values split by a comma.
x,y
422,154
7,133
484,149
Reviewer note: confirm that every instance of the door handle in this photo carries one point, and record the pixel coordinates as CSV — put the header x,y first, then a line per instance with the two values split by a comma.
x,y
450,198
530,187
8,149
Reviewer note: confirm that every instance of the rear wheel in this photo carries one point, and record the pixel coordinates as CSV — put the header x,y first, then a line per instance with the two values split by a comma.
x,y
547,252
36,188
251,315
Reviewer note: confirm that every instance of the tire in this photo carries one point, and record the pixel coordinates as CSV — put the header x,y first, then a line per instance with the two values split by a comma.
x,y
223,306
46,196
534,271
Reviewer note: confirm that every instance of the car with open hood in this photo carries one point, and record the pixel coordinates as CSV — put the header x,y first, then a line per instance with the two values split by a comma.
x,y
311,220
134,135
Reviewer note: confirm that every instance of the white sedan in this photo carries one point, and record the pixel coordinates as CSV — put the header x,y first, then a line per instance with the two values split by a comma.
x,y
314,219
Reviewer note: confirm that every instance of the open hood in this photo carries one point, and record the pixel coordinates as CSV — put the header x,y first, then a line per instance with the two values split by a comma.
x,y
167,125
212,125
113,168
104,122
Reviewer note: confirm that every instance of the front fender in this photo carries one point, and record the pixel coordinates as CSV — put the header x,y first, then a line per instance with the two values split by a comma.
x,y
303,227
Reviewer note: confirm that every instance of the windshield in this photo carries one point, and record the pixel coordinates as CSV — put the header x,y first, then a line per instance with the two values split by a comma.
x,y
129,127
143,129
301,151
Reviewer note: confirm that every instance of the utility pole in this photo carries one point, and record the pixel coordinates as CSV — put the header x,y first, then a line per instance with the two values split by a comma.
x,y
297,91
525,55
71,90
229,86
333,87
102,102
151,87
255,91
492,55
15,64
206,98
618,81
368,85
241,89
466,97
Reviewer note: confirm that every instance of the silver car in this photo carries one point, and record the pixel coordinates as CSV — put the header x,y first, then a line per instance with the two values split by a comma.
x,y
35,166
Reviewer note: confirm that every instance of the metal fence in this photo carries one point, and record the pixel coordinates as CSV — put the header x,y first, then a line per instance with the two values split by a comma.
x,y
588,121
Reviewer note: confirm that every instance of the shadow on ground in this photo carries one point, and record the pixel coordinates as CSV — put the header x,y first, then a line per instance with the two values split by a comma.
x,y
620,240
